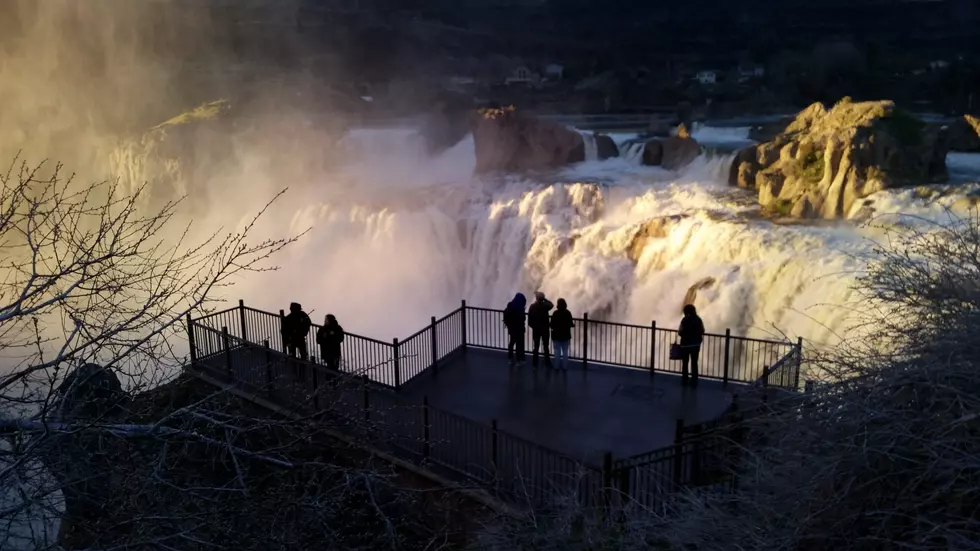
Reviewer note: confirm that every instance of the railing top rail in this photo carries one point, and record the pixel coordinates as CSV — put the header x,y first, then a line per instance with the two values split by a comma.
x,y
212,314
663,329
270,314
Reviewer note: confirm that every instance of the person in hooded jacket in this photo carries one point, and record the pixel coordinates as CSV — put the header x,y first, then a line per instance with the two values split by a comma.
x,y
561,333
514,321
295,326
538,320
691,332
329,338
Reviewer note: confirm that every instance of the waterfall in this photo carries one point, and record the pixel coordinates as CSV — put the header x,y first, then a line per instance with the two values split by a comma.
x,y
591,150
632,152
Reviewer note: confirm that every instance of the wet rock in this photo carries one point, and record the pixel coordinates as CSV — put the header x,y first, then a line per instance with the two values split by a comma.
x,y
827,159
692,292
606,147
507,140
655,228
964,134
679,152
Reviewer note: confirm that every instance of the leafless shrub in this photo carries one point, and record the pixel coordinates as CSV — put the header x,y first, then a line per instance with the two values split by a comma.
x,y
90,279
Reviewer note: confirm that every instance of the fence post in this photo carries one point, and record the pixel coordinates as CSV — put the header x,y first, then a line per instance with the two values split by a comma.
x,y
653,347
268,367
397,364
462,325
585,340
678,452
624,483
241,317
765,376
226,343
799,363
190,340
696,455
493,446
728,342
435,354
425,426
282,320
607,480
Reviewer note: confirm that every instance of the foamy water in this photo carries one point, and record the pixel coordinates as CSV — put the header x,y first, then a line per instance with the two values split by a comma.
x,y
414,236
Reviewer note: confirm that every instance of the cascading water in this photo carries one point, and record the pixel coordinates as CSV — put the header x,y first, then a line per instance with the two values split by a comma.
x,y
398,237
416,235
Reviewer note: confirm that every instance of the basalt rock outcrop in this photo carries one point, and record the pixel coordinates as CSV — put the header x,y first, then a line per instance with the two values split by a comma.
x,y
671,153
606,147
510,141
827,159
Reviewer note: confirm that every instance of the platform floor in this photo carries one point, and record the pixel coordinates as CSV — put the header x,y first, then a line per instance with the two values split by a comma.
x,y
581,413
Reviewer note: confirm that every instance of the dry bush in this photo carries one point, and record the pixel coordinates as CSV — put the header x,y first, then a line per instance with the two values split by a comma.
x,y
137,458
883,454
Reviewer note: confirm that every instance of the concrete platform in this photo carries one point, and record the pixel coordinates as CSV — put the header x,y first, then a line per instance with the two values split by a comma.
x,y
580,413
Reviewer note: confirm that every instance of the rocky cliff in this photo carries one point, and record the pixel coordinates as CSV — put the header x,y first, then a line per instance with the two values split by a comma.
x,y
826,159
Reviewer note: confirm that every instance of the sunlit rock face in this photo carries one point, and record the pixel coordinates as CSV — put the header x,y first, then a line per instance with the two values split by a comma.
x,y
828,159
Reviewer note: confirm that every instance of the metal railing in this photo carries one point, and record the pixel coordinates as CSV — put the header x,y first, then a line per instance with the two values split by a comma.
x,y
723,356
511,467
245,346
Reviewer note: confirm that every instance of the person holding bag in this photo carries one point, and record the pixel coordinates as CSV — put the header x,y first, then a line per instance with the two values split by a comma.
x,y
691,334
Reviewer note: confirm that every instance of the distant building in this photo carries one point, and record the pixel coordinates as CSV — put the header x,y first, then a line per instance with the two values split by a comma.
x,y
523,75
554,71
749,72
707,76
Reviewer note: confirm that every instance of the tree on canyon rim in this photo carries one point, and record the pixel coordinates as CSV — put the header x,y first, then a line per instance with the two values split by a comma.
x,y
93,285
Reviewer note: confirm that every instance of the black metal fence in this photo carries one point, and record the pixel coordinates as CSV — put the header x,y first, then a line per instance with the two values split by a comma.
x,y
724,357
245,346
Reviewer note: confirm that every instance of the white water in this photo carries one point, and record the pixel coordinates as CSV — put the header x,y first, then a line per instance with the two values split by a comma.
x,y
412,236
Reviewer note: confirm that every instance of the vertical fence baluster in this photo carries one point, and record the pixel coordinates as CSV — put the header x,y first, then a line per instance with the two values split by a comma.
x,y
435,354
190,340
493,447
282,321
728,340
462,327
607,481
653,347
241,318
397,363
585,340
226,343
799,363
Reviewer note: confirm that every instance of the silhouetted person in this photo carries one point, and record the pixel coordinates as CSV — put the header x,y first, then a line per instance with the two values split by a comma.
x,y
329,338
691,333
514,321
561,333
537,319
295,326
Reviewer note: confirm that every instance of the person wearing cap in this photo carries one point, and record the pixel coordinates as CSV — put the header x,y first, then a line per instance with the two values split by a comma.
x,y
540,323
295,326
